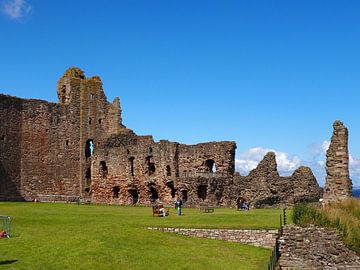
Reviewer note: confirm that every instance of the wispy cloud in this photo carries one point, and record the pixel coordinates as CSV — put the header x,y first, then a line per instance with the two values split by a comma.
x,y
249,159
317,163
16,9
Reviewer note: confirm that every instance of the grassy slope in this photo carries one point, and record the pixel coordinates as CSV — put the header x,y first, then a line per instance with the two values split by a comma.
x,y
64,236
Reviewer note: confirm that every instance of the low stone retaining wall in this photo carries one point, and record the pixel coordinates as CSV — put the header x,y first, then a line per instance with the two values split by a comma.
x,y
259,238
314,248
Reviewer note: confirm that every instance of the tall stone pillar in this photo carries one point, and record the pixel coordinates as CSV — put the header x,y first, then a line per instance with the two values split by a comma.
x,y
338,185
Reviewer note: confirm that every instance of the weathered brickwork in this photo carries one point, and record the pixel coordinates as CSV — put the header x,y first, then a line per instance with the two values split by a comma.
x,y
79,148
258,238
314,248
338,183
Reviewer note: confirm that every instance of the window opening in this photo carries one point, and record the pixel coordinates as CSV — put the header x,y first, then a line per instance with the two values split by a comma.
x,y
67,142
100,121
210,165
134,196
103,169
91,97
90,120
89,148
170,184
168,170
201,192
153,194
131,160
184,195
116,192
151,165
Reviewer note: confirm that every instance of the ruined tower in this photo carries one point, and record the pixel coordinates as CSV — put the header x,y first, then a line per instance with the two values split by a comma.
x,y
338,184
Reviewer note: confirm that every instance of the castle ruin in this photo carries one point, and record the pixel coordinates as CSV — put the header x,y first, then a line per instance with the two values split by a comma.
x,y
79,148
338,185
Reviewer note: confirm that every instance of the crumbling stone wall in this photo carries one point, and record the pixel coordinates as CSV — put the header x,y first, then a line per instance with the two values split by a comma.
x,y
338,183
79,147
135,169
314,248
264,187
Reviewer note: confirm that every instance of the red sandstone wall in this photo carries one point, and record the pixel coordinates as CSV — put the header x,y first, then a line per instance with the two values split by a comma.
x,y
10,147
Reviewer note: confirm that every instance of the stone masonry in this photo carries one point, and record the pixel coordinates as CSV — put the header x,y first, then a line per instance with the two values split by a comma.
x,y
258,238
79,148
338,184
314,248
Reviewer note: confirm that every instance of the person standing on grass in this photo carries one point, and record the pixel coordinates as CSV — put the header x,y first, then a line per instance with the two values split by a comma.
x,y
178,205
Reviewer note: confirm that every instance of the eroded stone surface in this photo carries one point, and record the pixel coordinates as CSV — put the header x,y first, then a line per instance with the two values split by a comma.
x,y
338,185
314,248
79,148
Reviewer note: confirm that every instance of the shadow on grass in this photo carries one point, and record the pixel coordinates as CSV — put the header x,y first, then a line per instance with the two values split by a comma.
x,y
8,262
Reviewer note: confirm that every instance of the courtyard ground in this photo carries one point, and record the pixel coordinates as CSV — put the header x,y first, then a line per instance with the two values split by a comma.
x,y
70,236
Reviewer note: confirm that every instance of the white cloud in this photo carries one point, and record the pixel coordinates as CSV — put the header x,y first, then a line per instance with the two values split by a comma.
x,y
325,146
250,159
354,165
16,9
317,163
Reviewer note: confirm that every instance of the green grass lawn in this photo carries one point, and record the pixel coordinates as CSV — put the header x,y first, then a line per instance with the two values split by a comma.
x,y
67,236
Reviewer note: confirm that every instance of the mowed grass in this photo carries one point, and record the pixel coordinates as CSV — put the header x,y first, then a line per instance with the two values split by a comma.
x,y
67,236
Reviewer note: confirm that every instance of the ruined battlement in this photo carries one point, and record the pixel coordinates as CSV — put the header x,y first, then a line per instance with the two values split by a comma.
x,y
79,147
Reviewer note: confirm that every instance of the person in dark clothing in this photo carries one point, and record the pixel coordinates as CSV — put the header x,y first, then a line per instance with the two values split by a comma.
x,y
178,205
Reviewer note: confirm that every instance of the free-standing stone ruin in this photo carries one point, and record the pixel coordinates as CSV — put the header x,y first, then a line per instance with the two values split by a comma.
x,y
79,148
338,185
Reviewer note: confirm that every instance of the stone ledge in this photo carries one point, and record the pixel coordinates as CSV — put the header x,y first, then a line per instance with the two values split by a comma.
x,y
259,238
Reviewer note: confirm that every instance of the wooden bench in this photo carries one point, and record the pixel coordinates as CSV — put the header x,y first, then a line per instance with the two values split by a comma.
x,y
159,210
206,208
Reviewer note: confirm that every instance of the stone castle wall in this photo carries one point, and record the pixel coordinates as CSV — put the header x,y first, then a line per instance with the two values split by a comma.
x,y
79,147
314,248
338,183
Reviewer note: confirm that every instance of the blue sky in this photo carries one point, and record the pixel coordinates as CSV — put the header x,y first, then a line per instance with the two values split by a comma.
x,y
270,75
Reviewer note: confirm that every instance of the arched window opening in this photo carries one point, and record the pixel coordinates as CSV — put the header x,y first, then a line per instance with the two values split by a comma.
x,y
91,98
100,121
67,142
210,165
89,148
90,120
201,192
168,170
88,173
153,194
103,169
116,192
151,165
184,195
134,196
150,149
170,184
131,161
